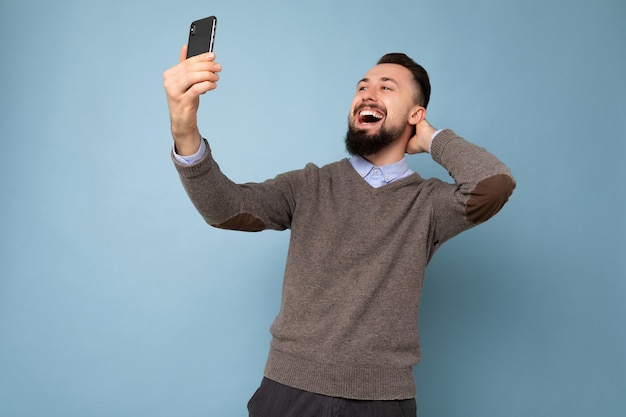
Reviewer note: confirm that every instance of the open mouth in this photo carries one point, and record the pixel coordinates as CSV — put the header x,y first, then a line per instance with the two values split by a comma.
x,y
370,116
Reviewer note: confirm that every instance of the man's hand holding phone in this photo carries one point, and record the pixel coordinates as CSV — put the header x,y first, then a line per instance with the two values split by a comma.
x,y
184,83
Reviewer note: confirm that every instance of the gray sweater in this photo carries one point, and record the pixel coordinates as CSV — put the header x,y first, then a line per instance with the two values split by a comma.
x,y
348,323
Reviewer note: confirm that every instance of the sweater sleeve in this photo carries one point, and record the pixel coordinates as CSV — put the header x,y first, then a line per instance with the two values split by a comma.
x,y
482,184
249,207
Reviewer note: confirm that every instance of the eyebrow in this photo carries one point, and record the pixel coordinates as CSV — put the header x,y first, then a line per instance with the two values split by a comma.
x,y
383,79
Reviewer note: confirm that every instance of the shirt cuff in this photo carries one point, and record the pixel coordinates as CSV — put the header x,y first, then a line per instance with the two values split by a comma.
x,y
191,159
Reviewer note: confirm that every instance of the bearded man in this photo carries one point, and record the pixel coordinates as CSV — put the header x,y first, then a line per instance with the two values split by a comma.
x,y
363,230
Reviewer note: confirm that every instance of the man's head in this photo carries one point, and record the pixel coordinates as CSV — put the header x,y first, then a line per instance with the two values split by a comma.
x,y
420,76
390,100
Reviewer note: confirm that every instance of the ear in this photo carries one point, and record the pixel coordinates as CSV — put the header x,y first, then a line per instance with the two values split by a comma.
x,y
417,114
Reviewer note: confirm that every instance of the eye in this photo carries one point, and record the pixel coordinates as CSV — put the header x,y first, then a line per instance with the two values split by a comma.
x,y
362,88
386,88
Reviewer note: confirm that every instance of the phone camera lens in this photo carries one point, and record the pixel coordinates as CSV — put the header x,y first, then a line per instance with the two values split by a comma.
x,y
193,30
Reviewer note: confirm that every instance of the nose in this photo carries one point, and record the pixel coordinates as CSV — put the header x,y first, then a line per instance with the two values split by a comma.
x,y
369,95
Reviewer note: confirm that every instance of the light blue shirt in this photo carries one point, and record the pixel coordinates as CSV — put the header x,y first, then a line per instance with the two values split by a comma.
x,y
375,176
383,175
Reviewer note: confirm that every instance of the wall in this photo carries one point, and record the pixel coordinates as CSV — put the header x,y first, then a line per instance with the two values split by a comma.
x,y
116,300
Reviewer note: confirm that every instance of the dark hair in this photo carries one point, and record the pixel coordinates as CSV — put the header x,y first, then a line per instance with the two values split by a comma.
x,y
420,76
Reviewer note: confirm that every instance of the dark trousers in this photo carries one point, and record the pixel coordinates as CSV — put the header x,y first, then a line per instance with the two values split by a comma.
x,y
277,400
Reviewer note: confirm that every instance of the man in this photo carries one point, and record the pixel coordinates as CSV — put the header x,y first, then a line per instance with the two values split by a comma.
x,y
363,230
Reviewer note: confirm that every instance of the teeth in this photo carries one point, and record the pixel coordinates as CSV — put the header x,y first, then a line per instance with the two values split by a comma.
x,y
372,113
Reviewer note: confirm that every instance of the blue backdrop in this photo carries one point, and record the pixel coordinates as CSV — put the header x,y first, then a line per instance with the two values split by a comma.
x,y
116,299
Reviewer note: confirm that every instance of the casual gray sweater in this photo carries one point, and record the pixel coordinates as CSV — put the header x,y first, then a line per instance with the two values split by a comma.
x,y
348,323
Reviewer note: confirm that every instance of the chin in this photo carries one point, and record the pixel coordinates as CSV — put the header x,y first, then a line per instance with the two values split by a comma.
x,y
365,142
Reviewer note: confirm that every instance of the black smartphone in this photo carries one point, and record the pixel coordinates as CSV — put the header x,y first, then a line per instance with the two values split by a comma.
x,y
201,36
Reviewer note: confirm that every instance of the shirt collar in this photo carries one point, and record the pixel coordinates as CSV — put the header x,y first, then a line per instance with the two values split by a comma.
x,y
390,172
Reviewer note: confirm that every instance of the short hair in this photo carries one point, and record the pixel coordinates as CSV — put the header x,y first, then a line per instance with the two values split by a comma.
x,y
420,76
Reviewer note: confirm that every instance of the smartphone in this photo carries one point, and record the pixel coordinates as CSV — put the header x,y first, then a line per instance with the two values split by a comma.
x,y
201,36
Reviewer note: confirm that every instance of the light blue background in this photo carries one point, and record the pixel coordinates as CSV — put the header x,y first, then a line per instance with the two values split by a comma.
x,y
116,299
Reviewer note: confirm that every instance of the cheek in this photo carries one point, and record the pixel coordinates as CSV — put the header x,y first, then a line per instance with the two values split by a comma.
x,y
355,101
398,112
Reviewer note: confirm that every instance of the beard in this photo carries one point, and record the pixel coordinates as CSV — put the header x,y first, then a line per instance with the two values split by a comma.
x,y
362,143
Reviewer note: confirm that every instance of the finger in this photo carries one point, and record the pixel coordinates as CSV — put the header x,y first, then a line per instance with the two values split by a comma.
x,y
183,75
197,82
201,77
203,64
201,88
183,53
205,78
